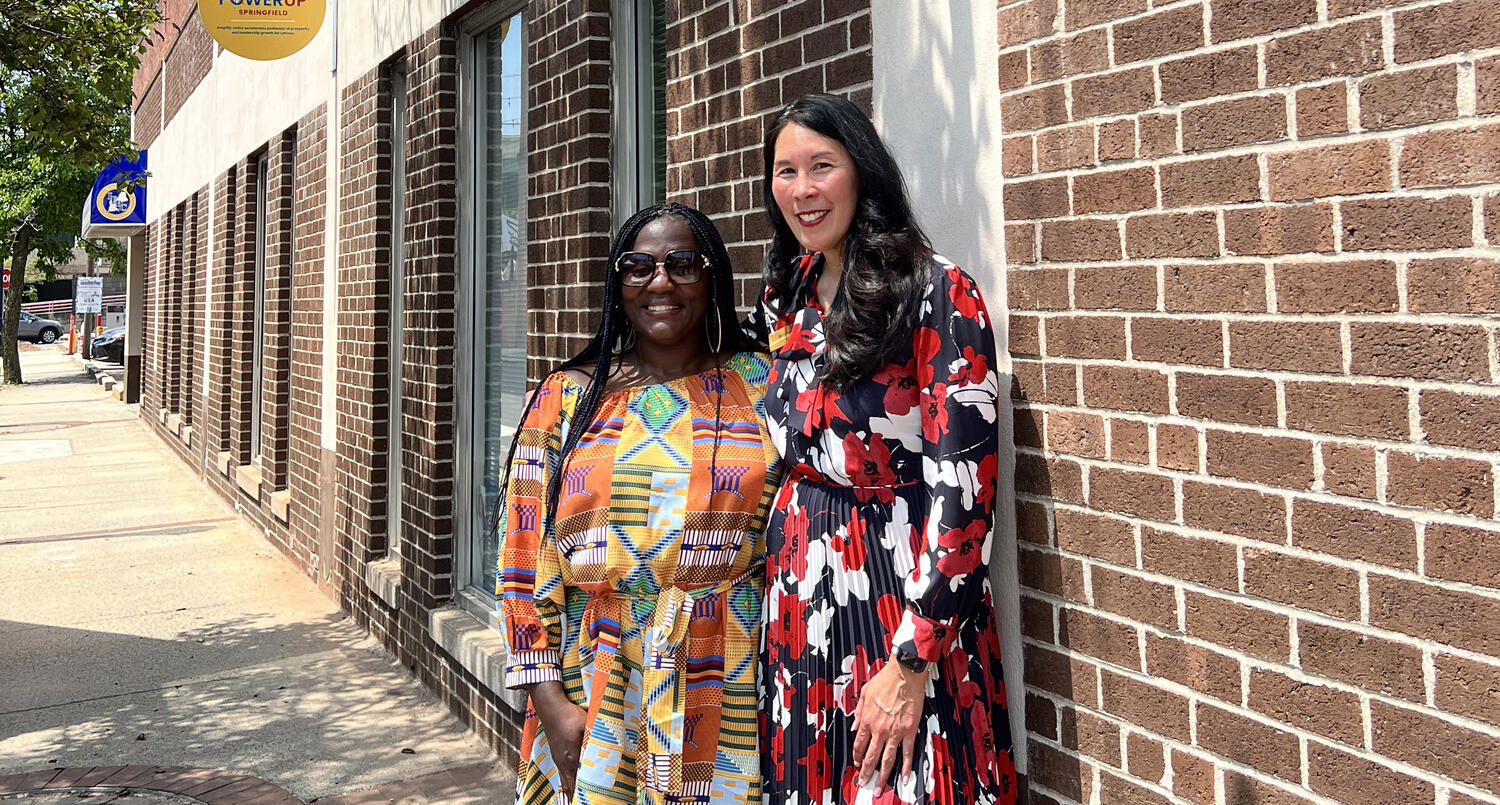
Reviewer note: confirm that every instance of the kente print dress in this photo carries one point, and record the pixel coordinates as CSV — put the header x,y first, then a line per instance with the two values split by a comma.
x,y
643,593
880,535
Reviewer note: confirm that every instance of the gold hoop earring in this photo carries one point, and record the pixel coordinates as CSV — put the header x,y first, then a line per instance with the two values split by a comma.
x,y
718,342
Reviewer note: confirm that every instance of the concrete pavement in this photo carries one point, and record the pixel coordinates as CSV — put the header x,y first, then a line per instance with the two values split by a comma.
x,y
143,625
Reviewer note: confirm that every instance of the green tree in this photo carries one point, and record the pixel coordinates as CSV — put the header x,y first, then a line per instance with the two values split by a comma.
x,y
65,93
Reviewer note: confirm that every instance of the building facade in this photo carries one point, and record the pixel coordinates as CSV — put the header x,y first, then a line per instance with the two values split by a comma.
x,y
1246,251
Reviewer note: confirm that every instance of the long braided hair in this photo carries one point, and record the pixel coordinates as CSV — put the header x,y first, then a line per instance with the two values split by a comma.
x,y
885,257
605,350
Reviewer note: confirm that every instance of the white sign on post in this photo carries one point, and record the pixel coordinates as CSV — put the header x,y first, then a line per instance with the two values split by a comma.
x,y
89,295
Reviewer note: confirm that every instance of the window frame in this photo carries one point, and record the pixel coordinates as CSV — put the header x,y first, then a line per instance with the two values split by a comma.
x,y
258,310
395,316
637,139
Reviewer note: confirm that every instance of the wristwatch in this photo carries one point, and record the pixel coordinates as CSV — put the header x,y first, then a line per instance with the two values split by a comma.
x,y
911,662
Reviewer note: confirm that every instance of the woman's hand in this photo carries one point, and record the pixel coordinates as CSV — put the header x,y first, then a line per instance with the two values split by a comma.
x,y
564,723
885,720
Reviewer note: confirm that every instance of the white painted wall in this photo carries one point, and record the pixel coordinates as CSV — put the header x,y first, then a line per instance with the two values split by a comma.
x,y
937,104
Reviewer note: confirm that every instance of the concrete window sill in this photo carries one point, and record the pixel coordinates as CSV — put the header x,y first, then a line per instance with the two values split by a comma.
x,y
383,577
477,648
249,480
281,504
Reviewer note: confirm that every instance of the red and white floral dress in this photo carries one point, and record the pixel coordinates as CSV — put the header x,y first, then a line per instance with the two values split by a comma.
x,y
881,536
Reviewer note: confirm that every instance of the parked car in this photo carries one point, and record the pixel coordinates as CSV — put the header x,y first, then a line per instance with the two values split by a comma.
x,y
36,328
110,345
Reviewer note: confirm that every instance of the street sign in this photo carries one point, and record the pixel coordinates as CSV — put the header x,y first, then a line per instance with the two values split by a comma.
x,y
5,284
88,297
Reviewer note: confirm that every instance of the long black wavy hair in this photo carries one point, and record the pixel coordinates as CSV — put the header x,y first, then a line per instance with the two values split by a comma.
x,y
603,354
875,313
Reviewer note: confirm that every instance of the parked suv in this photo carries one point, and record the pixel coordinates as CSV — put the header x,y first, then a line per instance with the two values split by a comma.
x,y
36,328
110,345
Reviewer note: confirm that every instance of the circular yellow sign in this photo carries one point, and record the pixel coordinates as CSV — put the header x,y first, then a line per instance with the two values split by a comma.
x,y
115,203
262,29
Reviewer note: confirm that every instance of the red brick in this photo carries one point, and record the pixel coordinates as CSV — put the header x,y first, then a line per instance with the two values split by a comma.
x,y
1468,688
1348,409
1227,398
1076,433
1348,286
1034,108
1453,285
1199,342
1354,533
1032,19
1145,758
1091,735
1114,191
1286,345
1460,553
1250,742
1193,778
1177,447
1241,121
1038,289
1095,535
1460,619
1141,494
1408,223
1057,478
1204,670
1330,170
1085,337
1205,561
1127,287
1016,155
1059,772
1461,485
1031,523
1027,428
1342,50
1345,778
1146,705
1093,636
1240,789
1083,13
1036,198
1461,419
1123,388
1427,742
1323,109
1161,34
1451,157
1061,384
1135,598
1302,583
1232,510
1117,139
1173,234
1047,572
1158,134
1013,69
1208,75
1316,708
1409,97
1116,789
1065,147
1279,229
1216,288
1273,460
1487,85
1041,716
1492,218
1130,441
1349,469
1061,57
1372,663
1020,243
1036,620
1224,180
1447,28
1023,335
1433,352
1081,240
1236,19
1240,626
1119,92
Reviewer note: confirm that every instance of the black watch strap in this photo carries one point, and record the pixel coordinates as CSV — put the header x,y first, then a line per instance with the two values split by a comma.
x,y
911,662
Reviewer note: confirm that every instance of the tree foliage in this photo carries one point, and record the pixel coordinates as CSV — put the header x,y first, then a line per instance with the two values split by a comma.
x,y
65,96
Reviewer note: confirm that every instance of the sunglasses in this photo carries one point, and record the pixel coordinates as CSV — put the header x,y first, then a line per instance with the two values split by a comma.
x,y
683,267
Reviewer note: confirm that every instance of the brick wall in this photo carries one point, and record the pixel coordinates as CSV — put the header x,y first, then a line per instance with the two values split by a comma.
x,y
276,310
191,55
1252,278
730,66
308,474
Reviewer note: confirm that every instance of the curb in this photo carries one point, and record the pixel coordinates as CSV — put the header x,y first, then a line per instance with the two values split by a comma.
x,y
207,786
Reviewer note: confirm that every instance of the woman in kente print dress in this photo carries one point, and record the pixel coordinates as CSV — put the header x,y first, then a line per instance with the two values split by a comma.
x,y
881,671
631,576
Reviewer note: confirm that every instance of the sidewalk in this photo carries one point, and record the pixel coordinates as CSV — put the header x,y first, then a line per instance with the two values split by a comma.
x,y
151,641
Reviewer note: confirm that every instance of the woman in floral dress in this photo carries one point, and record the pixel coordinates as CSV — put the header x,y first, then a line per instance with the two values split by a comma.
x,y
881,672
632,535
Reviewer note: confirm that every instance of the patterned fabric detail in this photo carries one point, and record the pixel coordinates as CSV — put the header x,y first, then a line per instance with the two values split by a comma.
x,y
881,538
643,593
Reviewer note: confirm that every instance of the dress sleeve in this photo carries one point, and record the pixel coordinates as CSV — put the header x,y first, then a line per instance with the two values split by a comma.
x,y
759,322
532,597
955,362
